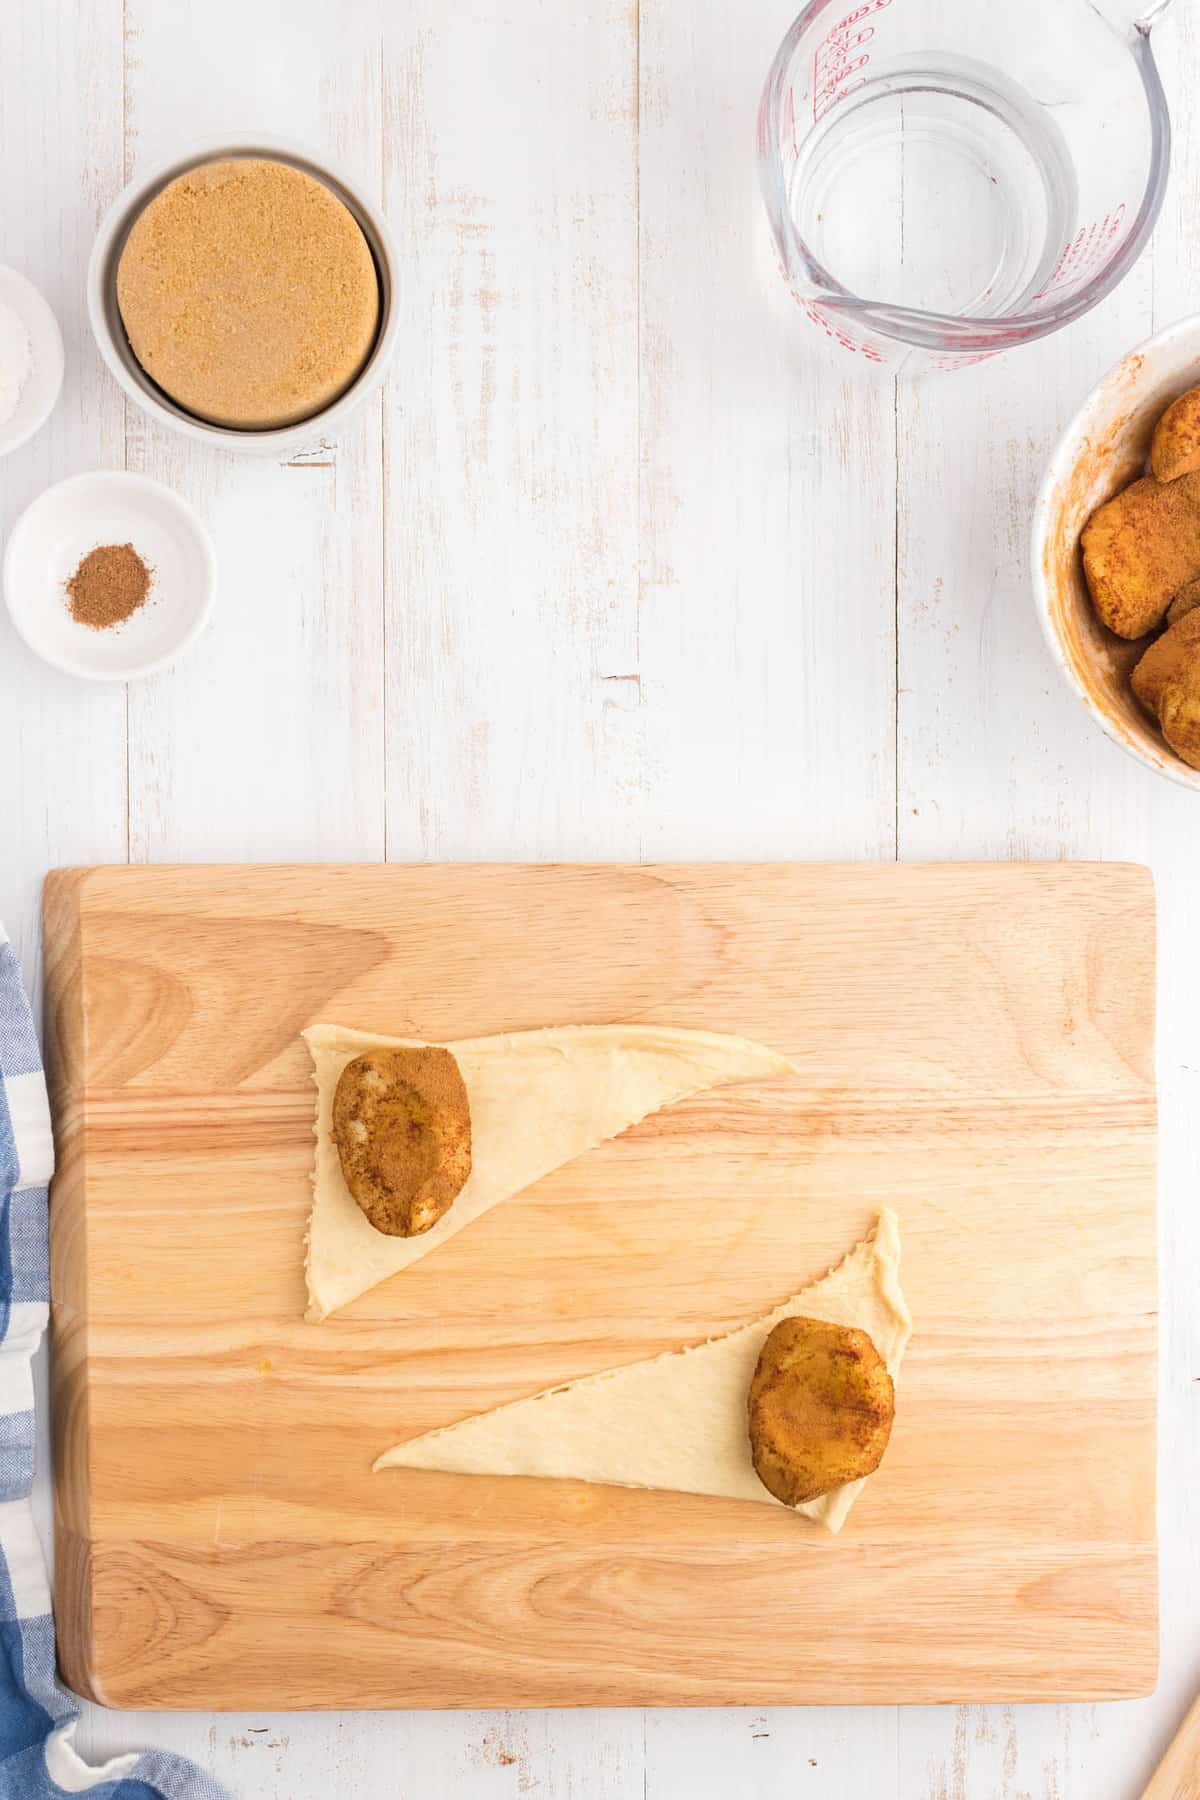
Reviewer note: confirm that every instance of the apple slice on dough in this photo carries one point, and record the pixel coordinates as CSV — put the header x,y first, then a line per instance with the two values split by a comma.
x,y
676,1421
538,1099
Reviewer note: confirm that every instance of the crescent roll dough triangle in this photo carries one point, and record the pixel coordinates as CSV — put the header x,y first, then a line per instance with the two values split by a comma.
x,y
538,1099
679,1420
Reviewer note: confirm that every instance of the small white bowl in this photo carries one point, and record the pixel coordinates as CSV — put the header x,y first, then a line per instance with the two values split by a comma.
x,y
109,506
109,330
43,384
1103,449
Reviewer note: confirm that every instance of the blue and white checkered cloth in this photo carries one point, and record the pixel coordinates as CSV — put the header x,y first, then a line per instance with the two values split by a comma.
x,y
38,1761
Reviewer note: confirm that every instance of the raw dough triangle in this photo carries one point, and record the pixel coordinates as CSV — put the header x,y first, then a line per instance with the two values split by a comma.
x,y
538,1099
679,1420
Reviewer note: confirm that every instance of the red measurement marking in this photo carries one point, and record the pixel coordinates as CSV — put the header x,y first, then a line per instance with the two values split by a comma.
x,y
841,54
1079,256
837,331
789,120
963,362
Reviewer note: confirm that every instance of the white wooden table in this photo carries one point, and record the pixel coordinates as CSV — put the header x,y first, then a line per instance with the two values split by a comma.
x,y
626,563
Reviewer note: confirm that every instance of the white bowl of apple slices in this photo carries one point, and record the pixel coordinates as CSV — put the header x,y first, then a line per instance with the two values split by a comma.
x,y
1141,554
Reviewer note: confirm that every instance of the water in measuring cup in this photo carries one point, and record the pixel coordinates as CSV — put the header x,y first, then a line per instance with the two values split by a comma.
x,y
942,187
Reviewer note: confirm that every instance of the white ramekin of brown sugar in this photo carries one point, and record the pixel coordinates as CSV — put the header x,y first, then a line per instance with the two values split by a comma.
x,y
236,407
1103,449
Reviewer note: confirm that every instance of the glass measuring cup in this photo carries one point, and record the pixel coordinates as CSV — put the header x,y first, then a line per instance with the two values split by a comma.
x,y
947,178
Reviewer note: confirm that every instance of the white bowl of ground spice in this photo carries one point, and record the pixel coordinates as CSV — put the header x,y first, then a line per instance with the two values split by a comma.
x,y
243,294
109,576
31,360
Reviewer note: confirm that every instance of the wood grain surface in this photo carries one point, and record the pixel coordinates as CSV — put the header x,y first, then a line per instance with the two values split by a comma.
x,y
1178,1774
975,1048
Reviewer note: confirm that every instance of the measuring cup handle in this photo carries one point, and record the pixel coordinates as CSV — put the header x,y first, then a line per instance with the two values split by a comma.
x,y
1130,15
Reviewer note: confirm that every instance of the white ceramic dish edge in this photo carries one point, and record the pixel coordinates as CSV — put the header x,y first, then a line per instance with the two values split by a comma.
x,y
39,395
119,358
1112,428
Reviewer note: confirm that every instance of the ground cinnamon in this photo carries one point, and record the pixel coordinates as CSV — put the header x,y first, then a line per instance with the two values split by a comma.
x,y
109,585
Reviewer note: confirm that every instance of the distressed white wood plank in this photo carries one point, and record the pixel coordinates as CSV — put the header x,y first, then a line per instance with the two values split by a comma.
x,y
267,742
514,723
997,758
548,310
766,631
478,1755
62,743
766,618
805,1752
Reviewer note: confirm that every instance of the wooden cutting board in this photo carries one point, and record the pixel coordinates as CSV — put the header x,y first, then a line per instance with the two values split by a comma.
x,y
975,1047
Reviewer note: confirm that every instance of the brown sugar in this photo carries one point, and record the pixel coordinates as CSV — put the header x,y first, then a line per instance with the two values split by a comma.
x,y
109,585
248,293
